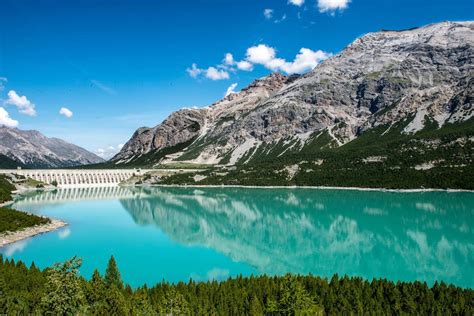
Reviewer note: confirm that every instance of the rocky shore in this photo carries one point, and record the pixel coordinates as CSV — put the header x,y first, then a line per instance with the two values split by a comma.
x,y
11,237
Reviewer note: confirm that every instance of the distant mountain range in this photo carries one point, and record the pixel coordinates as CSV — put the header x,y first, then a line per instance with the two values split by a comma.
x,y
393,84
31,149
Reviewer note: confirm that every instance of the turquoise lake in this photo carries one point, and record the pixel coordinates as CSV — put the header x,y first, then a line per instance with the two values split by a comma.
x,y
214,233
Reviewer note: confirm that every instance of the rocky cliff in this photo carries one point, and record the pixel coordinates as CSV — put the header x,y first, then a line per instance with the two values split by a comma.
x,y
33,149
422,77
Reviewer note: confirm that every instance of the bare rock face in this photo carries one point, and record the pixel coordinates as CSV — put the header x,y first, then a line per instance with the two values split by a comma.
x,y
419,75
179,127
211,122
33,149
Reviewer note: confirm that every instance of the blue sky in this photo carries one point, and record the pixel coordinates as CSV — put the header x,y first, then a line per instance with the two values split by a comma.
x,y
118,65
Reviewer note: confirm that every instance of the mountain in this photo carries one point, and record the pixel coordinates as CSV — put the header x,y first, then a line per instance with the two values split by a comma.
x,y
392,102
34,150
8,163
422,76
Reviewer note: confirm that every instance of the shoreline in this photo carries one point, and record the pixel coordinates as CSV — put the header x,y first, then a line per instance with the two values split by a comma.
x,y
28,232
12,237
303,187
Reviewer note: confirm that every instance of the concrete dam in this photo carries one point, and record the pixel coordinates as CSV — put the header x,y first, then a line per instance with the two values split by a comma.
x,y
86,177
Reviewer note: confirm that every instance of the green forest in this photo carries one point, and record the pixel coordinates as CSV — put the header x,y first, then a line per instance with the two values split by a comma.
x,y
6,188
13,220
60,290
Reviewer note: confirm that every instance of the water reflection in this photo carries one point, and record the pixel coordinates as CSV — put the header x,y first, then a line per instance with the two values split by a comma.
x,y
422,236
425,236
19,246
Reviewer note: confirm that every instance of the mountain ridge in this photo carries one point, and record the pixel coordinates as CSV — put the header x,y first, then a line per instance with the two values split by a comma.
x,y
32,149
420,76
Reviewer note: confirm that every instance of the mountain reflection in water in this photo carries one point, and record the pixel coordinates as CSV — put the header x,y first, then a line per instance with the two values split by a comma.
x,y
425,236
400,236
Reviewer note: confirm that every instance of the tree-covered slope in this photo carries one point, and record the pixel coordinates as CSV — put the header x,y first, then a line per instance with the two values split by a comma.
x,y
380,158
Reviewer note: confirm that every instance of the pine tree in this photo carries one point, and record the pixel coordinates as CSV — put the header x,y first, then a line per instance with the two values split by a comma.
x,y
63,288
255,306
115,302
141,303
112,274
272,307
294,299
175,304
96,293
3,295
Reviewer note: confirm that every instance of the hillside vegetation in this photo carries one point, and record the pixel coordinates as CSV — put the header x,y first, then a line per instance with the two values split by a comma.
x,y
380,158
6,189
13,220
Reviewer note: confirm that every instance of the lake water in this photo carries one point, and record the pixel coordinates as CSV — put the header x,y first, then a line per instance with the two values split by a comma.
x,y
213,233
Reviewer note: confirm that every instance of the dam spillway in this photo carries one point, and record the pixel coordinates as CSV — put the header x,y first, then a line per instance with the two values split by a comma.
x,y
84,177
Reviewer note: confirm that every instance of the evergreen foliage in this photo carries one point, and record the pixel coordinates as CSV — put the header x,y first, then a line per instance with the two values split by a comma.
x,y
60,291
112,275
63,289
383,157
9,163
12,220
6,189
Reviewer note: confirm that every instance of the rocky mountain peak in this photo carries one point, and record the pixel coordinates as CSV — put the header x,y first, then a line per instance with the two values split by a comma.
x,y
186,124
420,75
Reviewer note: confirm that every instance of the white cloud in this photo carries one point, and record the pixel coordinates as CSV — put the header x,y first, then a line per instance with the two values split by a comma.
x,y
194,71
229,59
264,55
108,152
305,60
268,13
275,64
260,54
332,5
210,73
66,112
215,74
245,65
21,102
231,89
6,120
298,3
3,80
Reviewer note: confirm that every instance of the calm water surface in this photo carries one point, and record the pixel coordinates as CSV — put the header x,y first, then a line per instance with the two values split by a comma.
x,y
213,233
